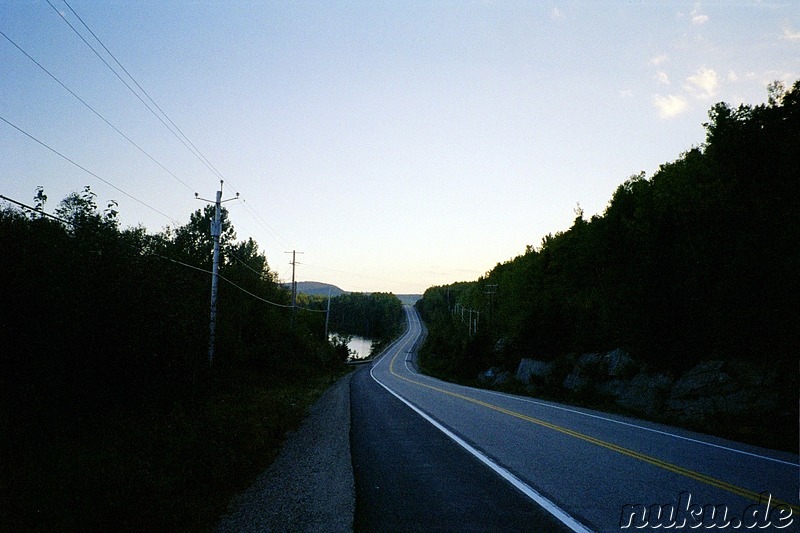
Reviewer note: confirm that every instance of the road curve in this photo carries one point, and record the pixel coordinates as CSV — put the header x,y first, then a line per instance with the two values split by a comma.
x,y
589,471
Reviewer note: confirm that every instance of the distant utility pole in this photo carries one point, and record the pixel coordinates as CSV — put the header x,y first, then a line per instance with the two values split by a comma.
x,y
216,231
491,290
328,314
294,283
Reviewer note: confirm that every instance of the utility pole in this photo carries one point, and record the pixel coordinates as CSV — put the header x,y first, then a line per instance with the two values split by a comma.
x,y
294,283
327,314
491,290
216,231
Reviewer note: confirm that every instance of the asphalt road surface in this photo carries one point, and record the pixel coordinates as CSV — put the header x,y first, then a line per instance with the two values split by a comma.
x,y
431,455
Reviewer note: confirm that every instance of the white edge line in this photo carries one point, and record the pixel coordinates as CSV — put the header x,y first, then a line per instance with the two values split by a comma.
x,y
606,419
546,504
665,433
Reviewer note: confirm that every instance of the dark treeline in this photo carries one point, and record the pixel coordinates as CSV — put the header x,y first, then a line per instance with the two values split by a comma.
x,y
99,323
378,315
375,315
699,261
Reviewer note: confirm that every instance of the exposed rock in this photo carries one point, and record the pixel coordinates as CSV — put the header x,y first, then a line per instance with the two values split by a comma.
x,y
645,393
620,365
710,393
701,381
588,363
614,388
494,376
718,388
576,382
502,378
586,374
530,370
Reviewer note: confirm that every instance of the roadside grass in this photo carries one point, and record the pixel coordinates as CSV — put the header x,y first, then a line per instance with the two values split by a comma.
x,y
170,469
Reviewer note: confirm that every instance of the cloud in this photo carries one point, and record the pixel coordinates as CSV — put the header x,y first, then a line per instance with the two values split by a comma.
x,y
704,84
556,13
789,34
669,106
625,93
698,19
662,77
659,59
732,76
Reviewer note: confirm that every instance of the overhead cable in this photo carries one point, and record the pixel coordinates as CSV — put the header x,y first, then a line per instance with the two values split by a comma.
x,y
93,110
174,129
181,263
59,154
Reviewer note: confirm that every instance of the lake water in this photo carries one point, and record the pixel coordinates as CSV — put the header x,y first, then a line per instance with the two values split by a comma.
x,y
361,346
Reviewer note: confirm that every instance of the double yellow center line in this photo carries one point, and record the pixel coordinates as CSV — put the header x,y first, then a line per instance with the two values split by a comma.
x,y
708,480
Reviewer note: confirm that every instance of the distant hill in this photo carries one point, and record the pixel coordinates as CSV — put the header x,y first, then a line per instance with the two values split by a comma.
x,y
318,288
315,288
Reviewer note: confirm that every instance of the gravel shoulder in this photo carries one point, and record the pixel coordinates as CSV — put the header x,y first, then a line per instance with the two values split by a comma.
x,y
310,485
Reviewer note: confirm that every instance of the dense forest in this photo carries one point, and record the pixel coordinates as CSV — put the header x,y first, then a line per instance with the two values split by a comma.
x,y
698,261
375,315
107,393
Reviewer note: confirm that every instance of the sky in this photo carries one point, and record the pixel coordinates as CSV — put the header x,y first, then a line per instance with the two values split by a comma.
x,y
398,145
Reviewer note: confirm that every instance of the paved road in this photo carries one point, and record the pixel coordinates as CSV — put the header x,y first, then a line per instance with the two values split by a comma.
x,y
499,453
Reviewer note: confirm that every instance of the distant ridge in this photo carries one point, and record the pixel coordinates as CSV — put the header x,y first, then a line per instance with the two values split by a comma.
x,y
318,288
315,288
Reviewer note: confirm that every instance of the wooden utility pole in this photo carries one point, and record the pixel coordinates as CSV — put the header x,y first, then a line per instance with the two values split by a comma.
x,y
294,283
216,231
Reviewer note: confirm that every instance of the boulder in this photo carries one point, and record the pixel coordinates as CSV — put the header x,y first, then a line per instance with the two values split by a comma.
x,y
620,365
614,388
703,380
577,382
645,393
494,376
588,363
714,389
530,370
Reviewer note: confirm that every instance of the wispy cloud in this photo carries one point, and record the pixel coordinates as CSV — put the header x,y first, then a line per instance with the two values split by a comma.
x,y
662,77
698,18
659,59
670,106
704,84
556,14
626,93
789,34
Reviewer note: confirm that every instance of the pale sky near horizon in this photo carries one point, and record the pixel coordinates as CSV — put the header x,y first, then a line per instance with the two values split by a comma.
x,y
399,145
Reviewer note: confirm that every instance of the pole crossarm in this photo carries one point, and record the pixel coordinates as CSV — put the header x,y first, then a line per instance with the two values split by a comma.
x,y
216,231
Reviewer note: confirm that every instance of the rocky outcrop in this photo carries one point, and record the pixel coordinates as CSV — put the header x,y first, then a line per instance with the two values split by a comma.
x,y
710,390
715,389
494,377
533,371
645,393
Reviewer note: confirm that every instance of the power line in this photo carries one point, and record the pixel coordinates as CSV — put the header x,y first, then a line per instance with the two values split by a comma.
x,y
35,210
174,129
93,110
258,218
212,168
154,254
172,126
86,169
